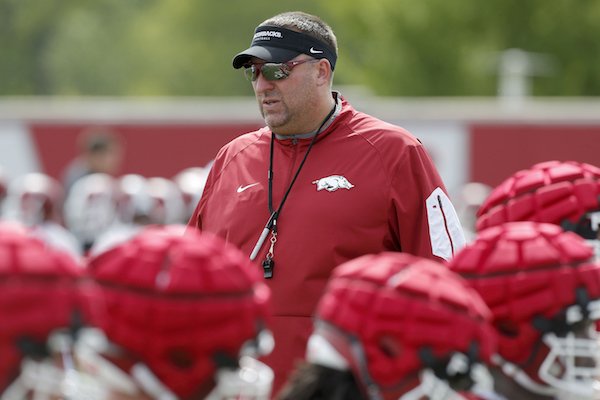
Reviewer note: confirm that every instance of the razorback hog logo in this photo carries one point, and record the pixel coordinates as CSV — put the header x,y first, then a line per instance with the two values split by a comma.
x,y
333,183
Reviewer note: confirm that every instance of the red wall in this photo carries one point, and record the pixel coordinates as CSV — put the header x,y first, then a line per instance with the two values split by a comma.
x,y
496,150
150,150
499,150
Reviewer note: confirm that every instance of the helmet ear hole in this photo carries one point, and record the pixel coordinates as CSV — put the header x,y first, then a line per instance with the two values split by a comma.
x,y
389,346
507,328
181,358
33,348
224,360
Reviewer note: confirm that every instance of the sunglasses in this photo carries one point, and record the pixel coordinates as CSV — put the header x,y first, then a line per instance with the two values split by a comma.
x,y
272,71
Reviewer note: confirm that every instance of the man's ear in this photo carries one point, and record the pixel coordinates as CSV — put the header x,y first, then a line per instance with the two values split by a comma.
x,y
324,72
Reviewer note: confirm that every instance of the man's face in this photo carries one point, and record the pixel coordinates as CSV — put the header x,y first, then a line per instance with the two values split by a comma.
x,y
288,105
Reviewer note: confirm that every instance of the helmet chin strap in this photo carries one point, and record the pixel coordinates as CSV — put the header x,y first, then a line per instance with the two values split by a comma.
x,y
518,375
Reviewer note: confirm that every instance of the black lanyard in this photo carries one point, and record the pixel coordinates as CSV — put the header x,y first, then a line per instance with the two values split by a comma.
x,y
271,225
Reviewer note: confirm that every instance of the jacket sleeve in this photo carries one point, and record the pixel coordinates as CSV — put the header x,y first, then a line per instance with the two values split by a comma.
x,y
422,218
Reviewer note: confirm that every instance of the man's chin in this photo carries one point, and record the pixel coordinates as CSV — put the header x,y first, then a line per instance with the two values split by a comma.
x,y
274,123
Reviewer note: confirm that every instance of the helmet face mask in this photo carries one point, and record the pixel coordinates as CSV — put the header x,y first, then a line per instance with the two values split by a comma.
x,y
252,380
56,376
433,388
395,326
40,297
180,322
573,361
543,288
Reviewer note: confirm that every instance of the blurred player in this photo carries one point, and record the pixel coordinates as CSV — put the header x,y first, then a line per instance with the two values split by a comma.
x,y
40,313
191,182
562,193
101,150
133,211
181,316
168,205
472,195
90,207
394,326
544,292
3,187
36,200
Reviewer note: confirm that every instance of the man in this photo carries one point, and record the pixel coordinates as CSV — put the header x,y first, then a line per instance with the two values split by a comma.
x,y
395,326
321,184
100,151
543,289
565,193
180,317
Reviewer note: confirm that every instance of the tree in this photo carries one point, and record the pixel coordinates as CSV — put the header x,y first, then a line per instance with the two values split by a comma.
x,y
395,48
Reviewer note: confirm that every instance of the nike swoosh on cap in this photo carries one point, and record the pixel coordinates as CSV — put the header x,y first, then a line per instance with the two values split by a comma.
x,y
312,50
241,188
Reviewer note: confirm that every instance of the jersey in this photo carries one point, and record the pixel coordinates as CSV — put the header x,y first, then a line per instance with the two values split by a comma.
x,y
366,187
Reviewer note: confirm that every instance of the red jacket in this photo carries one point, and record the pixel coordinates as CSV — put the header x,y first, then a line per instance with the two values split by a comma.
x,y
367,186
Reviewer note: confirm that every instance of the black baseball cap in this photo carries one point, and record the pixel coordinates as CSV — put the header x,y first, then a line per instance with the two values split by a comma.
x,y
277,44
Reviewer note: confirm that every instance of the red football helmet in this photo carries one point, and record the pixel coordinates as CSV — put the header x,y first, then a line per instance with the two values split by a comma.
x,y
562,193
404,325
542,286
182,309
40,306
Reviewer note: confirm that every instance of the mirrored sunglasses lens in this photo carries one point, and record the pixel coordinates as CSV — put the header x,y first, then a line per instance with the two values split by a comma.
x,y
274,72
251,73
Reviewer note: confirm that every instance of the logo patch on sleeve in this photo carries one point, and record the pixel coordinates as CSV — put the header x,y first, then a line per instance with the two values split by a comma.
x,y
445,231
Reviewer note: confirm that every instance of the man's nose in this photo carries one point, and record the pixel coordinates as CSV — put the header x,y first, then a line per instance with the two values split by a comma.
x,y
262,85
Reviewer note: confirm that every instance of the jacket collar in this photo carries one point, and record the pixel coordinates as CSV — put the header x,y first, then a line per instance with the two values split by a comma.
x,y
339,103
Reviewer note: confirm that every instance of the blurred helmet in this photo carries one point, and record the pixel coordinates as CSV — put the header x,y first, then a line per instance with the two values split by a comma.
x,y
134,204
90,207
167,202
179,310
543,289
472,195
562,193
406,326
191,183
3,186
33,199
40,306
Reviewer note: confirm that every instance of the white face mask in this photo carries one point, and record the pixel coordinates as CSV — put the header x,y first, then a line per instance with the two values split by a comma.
x,y
572,366
433,388
55,376
253,380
